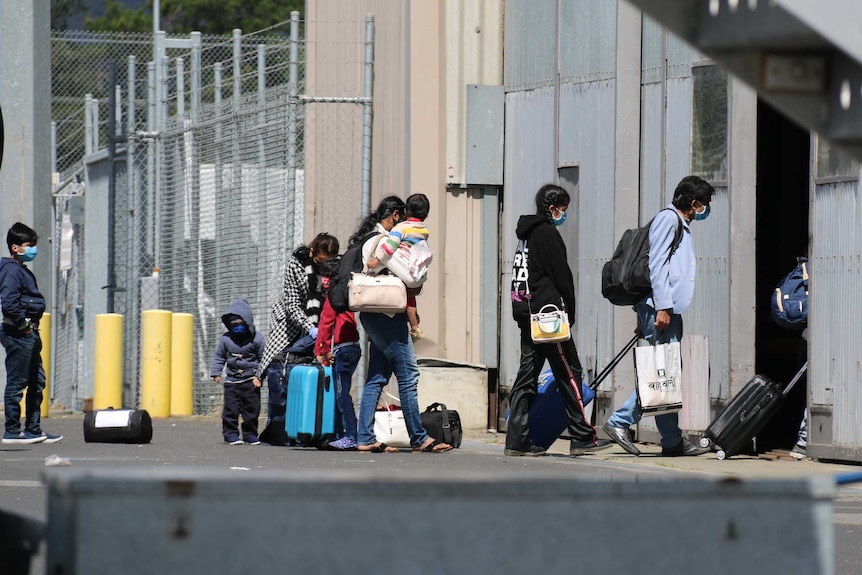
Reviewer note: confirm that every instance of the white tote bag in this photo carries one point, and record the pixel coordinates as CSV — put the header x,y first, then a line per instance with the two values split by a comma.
x,y
390,427
659,374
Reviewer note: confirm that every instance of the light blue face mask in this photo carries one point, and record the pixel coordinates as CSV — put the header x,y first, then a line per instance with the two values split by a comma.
x,y
559,221
29,254
700,216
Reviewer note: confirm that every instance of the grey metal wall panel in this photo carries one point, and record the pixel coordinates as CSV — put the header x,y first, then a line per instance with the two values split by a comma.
x,y
835,316
678,139
704,317
680,56
530,35
652,40
587,40
529,163
587,139
652,151
484,149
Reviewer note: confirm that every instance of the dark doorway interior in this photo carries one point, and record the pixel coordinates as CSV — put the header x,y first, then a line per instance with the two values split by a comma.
x,y
783,150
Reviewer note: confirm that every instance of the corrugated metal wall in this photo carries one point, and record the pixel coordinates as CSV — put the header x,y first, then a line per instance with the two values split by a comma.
x,y
529,30
585,133
528,163
586,129
835,313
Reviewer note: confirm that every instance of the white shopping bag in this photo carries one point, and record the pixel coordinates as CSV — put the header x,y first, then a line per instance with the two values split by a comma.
x,y
659,375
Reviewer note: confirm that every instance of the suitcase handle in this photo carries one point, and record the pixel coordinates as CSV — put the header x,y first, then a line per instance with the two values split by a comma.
x,y
610,367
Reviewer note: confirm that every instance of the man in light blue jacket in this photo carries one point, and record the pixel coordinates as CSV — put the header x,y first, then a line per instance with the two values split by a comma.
x,y
672,274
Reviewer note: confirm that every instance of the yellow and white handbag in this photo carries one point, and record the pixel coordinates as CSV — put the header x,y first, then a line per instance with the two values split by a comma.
x,y
549,325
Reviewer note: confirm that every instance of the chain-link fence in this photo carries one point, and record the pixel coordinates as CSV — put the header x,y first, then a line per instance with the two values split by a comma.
x,y
225,159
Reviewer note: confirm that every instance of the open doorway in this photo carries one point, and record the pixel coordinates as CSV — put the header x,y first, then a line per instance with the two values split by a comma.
x,y
783,150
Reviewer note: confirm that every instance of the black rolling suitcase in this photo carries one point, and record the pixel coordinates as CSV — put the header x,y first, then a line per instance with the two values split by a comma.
x,y
118,426
746,414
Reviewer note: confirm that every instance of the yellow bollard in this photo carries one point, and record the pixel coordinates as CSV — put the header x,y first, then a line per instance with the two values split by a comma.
x,y
156,362
108,361
45,336
182,371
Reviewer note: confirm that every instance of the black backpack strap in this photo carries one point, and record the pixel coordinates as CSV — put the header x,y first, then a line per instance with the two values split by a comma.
x,y
677,237
447,428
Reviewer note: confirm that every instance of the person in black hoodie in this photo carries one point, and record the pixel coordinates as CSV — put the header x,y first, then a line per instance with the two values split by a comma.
x,y
238,353
542,276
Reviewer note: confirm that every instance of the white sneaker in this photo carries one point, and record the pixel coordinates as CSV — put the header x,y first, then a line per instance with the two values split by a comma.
x,y
798,452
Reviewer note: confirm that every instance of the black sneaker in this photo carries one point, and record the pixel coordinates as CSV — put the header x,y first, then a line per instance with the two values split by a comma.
x,y
578,448
533,451
684,448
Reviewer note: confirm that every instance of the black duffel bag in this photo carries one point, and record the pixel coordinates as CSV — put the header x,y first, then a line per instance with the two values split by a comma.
x,y
442,424
118,426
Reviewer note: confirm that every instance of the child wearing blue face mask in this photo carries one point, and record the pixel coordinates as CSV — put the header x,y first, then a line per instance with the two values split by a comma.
x,y
238,353
23,306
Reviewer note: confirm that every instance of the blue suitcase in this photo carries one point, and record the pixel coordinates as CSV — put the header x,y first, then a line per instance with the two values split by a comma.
x,y
547,419
310,418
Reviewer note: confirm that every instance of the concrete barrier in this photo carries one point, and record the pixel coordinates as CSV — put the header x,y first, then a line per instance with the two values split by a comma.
x,y
178,521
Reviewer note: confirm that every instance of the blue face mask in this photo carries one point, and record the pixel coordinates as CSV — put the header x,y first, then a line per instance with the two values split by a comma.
x,y
239,329
700,216
29,254
559,221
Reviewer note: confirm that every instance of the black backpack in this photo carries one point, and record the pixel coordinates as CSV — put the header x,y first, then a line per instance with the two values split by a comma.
x,y
351,262
625,278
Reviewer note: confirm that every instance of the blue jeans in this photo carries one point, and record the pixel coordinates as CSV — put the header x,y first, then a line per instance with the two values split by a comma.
x,y
391,351
630,412
346,359
23,371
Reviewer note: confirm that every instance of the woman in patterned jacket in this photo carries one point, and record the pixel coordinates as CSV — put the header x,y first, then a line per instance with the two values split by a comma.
x,y
293,316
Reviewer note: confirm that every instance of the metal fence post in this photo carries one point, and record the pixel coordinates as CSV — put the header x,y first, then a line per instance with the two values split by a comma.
x,y
365,202
292,110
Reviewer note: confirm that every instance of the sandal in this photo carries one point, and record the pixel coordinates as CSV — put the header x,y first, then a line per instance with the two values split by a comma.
x,y
435,446
377,448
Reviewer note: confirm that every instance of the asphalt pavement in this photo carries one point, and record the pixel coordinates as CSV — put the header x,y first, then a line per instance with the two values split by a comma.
x,y
197,442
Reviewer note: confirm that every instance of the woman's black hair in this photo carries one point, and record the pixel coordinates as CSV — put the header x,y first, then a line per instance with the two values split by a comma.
x,y
550,195
690,189
387,206
20,234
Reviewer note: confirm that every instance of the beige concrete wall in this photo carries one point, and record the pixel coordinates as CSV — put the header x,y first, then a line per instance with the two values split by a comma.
x,y
426,52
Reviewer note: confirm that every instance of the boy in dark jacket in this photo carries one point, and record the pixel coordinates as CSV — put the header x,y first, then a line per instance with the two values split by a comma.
x,y
23,306
239,351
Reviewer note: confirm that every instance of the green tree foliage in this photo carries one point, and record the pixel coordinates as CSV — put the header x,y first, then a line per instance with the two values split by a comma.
x,y
62,10
205,16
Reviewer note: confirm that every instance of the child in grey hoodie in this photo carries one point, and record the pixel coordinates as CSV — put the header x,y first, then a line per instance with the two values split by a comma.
x,y
238,353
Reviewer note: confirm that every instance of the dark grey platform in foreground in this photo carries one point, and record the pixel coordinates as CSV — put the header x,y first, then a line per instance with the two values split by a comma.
x,y
180,521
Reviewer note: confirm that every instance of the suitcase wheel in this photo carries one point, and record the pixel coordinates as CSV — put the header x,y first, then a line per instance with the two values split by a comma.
x,y
720,455
705,442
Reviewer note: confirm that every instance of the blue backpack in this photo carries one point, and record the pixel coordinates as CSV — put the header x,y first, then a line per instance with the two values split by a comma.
x,y
790,298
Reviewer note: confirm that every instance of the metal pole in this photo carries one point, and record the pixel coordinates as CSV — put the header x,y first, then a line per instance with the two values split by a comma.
x,y
367,114
56,236
181,87
263,189
292,110
365,201
196,75
133,254
151,161
112,176
88,124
